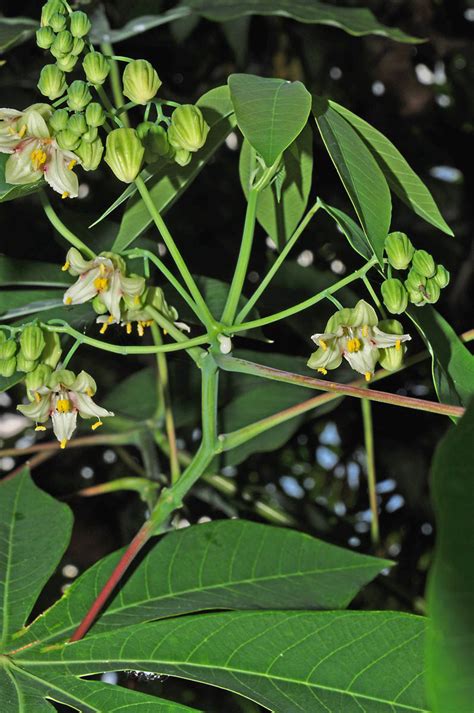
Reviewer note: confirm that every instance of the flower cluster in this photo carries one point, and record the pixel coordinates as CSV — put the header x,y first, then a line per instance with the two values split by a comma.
x,y
357,336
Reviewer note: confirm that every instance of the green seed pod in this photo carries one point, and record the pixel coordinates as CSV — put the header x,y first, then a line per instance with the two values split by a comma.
x,y
59,119
52,350
395,296
442,276
140,81
78,95
45,37
32,342
423,263
182,157
51,8
90,155
399,250
80,24
77,124
77,46
90,135
58,23
98,306
7,367
188,129
96,67
95,115
8,349
52,83
67,140
38,378
62,45
391,358
415,281
124,154
432,291
25,365
66,63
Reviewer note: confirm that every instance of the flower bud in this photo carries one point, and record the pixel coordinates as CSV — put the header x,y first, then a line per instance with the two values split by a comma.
x,y
67,140
98,306
442,276
77,46
38,378
415,281
52,7
423,263
90,154
66,63
124,154
62,44
45,37
80,24
155,141
432,291
58,23
59,119
52,350
182,157
78,95
77,124
32,342
395,296
7,367
52,83
90,135
7,349
25,365
416,298
95,115
96,67
188,129
391,358
399,250
140,81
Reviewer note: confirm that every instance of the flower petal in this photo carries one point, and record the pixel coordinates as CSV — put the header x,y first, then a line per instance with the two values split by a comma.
x,y
59,174
19,169
64,425
38,410
383,339
88,408
83,289
77,264
112,296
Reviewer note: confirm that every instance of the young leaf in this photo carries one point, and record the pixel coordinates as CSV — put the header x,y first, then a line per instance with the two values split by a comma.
x,y
14,31
351,230
19,303
286,661
359,172
270,113
450,640
30,552
401,177
279,215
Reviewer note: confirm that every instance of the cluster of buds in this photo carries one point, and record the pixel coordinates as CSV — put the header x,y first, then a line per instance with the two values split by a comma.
x,y
357,336
35,349
425,278
186,134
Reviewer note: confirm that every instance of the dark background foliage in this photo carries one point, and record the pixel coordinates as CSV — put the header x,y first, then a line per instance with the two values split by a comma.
x,y
419,96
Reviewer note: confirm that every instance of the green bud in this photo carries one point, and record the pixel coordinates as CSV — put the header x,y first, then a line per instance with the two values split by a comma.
x,y
90,154
45,37
188,129
7,367
399,250
61,376
67,140
90,135
391,358
395,296
155,141
58,23
78,95
442,276
59,119
415,281
52,350
423,263
182,157
95,115
124,154
25,365
98,306
77,124
38,378
432,291
77,46
32,342
62,44
52,83
140,81
96,67
416,298
51,8
66,63
80,24
7,349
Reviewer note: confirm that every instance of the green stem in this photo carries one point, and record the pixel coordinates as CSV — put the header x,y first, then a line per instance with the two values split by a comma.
x,y
243,259
177,335
310,302
371,473
205,315
277,264
107,104
67,234
70,354
374,296
115,80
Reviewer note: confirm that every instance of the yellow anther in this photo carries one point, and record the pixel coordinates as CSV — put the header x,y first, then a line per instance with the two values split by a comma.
x,y
110,319
89,392
136,300
65,195
398,344
37,397
129,327
38,158
63,443
40,428
368,376
322,344
365,330
322,370
63,406
353,345
102,269
95,425
22,131
101,284
68,300
103,329
71,164
66,266
140,329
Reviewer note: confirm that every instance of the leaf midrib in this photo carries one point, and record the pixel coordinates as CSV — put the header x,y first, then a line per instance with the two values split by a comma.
x,y
8,569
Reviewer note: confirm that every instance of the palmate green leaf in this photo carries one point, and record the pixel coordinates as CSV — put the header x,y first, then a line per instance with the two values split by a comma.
x,y
228,564
15,30
32,272
270,113
359,172
351,230
286,661
401,177
279,216
450,640
172,180
29,551
8,192
453,364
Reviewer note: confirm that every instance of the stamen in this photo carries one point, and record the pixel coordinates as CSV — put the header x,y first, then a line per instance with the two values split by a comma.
x,y
68,300
38,158
129,327
40,428
89,392
322,344
11,130
37,397
66,266
140,329
63,406
22,131
136,300
101,284
110,319
353,345
63,443
96,425
71,164
102,269
398,345
368,376
104,328
322,370
365,330
65,195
